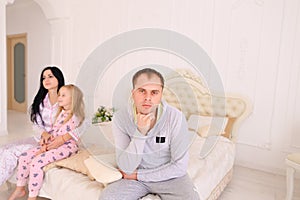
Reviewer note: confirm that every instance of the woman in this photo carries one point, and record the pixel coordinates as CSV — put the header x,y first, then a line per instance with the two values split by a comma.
x,y
44,106
42,114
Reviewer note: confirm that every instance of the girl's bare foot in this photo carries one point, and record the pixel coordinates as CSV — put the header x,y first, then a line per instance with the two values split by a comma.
x,y
18,193
31,198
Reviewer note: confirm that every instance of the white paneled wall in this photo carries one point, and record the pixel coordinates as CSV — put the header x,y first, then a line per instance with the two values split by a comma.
x,y
255,45
38,39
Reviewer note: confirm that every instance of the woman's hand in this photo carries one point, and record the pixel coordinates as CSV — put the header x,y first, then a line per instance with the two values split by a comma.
x,y
42,150
45,137
55,142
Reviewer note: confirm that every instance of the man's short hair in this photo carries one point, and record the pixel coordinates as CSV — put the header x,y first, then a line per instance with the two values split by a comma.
x,y
149,72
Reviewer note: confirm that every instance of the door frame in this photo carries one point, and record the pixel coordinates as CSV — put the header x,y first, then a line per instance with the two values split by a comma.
x,y
11,104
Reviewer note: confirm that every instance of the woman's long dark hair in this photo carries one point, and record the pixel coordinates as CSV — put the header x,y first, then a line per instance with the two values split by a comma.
x,y
39,97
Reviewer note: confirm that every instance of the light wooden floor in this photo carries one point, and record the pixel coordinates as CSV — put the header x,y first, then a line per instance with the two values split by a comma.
x,y
247,184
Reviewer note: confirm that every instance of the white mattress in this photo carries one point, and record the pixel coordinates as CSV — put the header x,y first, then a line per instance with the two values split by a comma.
x,y
64,184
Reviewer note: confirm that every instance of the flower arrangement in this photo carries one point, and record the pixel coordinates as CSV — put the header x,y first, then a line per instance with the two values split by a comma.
x,y
103,114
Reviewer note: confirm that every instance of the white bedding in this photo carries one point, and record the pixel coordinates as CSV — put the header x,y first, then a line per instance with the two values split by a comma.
x,y
207,173
64,184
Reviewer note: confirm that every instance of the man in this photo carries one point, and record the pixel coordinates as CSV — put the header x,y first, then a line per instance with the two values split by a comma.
x,y
152,141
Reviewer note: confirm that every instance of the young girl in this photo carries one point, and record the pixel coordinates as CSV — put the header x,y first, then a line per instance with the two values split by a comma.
x,y
70,116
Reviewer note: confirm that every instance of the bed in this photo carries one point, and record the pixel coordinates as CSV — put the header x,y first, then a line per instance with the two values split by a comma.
x,y
212,153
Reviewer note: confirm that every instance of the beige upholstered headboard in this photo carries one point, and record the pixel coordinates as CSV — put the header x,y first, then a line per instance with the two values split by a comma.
x,y
189,94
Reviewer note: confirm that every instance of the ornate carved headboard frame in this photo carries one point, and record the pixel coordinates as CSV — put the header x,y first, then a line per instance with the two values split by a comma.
x,y
189,94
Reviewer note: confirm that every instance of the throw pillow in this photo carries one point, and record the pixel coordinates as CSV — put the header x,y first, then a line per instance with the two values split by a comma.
x,y
207,125
74,162
103,168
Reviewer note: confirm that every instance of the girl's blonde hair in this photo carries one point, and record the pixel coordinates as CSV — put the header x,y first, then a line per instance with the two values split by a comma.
x,y
77,107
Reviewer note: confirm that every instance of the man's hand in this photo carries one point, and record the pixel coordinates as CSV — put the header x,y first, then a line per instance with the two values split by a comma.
x,y
144,122
132,176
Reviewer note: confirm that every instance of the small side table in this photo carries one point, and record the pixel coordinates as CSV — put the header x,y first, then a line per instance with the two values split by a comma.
x,y
293,164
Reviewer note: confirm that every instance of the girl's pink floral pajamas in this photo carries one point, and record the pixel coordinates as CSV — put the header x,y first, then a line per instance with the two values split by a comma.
x,y
30,167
